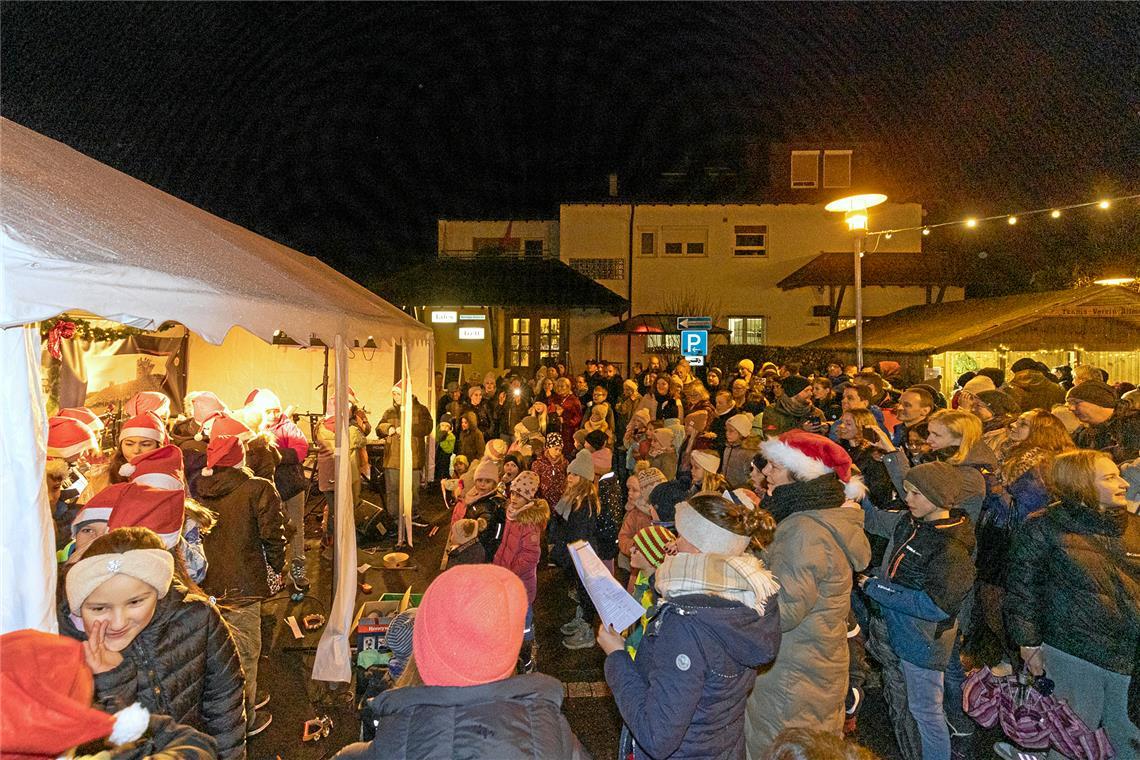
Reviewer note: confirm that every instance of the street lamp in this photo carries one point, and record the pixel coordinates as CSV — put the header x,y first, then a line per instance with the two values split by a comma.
x,y
854,210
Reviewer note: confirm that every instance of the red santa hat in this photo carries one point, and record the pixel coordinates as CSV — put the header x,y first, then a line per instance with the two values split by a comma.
x,y
139,506
84,415
148,401
809,456
99,507
227,451
222,425
203,405
48,689
160,468
147,425
68,437
262,399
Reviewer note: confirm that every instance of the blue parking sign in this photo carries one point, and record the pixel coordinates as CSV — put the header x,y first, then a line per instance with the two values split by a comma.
x,y
694,342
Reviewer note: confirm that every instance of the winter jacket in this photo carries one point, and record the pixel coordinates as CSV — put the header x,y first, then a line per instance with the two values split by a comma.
x,y
262,457
326,454
785,415
635,520
1032,390
609,499
287,435
183,664
470,442
551,478
577,525
570,418
736,461
1073,582
518,718
879,486
164,740
250,534
421,428
193,451
512,413
471,553
489,507
813,555
521,545
485,416
925,575
684,695
1119,435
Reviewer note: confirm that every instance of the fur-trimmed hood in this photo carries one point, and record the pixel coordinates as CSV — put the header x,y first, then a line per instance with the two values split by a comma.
x,y
537,512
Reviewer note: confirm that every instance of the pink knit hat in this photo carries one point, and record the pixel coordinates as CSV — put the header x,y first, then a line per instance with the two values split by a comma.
x,y
469,626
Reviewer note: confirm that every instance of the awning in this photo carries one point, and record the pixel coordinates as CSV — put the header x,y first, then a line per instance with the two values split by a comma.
x,y
885,269
506,281
651,324
1095,318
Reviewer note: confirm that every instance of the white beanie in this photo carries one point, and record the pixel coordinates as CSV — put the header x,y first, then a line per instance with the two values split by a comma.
x,y
979,383
741,423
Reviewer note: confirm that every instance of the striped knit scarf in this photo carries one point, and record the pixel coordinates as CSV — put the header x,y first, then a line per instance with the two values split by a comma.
x,y
742,579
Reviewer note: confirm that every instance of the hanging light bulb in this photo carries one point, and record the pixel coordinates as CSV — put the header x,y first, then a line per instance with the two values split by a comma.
x,y
1104,204
971,222
1055,214
887,236
925,230
1012,220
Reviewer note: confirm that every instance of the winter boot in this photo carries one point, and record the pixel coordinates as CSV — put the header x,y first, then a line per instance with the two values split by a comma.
x,y
583,638
574,624
297,575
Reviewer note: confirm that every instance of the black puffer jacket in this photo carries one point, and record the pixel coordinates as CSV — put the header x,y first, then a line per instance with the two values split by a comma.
x,y
183,665
1074,583
1119,435
518,718
250,534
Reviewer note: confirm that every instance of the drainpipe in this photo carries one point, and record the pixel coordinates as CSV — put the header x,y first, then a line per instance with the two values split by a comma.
x,y
629,294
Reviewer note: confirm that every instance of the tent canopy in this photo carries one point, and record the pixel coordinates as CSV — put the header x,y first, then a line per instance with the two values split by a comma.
x,y
79,235
1094,317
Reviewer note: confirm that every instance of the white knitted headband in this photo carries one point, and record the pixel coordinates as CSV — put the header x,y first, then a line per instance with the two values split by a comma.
x,y
707,536
154,567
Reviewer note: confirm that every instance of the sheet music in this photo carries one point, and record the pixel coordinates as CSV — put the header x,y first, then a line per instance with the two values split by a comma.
x,y
614,604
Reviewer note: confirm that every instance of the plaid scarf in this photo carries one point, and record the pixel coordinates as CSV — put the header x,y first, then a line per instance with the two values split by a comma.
x,y
742,579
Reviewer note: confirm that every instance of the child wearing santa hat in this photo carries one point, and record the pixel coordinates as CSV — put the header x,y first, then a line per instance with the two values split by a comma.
x,y
138,435
122,602
247,555
148,401
47,709
186,432
69,445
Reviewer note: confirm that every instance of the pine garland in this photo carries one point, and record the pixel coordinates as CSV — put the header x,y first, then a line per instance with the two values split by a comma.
x,y
85,330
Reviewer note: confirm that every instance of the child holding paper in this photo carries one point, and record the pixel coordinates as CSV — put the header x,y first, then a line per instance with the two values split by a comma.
x,y
719,620
576,519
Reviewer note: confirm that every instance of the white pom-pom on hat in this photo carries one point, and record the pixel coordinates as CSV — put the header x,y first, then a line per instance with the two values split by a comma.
x,y
130,724
127,470
207,471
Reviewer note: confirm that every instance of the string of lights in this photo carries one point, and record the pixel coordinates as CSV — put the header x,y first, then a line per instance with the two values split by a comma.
x,y
1012,219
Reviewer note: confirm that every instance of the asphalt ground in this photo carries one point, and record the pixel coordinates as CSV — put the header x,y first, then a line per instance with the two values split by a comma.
x,y
286,663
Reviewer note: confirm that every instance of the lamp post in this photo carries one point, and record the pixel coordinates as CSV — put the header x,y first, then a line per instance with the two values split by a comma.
x,y
854,209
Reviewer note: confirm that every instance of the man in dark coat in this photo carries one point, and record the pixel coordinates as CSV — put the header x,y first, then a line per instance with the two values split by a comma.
x,y
1108,425
389,426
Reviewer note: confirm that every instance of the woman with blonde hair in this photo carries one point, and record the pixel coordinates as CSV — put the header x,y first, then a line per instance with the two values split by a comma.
x,y
851,429
575,518
566,407
1073,590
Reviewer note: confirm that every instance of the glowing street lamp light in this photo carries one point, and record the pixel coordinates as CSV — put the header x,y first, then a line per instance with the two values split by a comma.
x,y
854,210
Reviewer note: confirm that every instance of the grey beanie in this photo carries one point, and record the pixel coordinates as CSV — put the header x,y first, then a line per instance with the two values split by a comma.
x,y
937,481
582,466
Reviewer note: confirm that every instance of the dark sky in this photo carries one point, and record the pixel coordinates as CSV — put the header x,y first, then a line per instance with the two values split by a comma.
x,y
346,129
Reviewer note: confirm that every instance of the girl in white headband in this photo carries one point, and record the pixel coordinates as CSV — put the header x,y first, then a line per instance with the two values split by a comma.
x,y
148,640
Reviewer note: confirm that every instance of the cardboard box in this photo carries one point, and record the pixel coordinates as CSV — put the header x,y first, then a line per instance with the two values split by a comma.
x,y
371,635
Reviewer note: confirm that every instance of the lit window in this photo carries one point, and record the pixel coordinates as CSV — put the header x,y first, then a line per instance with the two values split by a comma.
x,y
648,244
751,240
837,168
748,331
805,168
663,342
520,342
843,323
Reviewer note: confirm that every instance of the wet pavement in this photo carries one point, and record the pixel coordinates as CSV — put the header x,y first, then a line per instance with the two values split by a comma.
x,y
286,662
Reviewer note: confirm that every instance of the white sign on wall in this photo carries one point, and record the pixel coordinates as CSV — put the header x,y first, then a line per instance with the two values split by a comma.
x,y
444,317
471,333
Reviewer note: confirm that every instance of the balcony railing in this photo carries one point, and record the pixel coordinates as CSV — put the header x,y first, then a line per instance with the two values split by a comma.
x,y
500,253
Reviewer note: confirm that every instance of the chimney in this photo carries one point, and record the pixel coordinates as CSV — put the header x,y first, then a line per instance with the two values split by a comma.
x,y
613,185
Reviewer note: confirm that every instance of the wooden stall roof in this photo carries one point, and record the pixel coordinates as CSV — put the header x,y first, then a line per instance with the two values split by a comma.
x,y
884,269
1094,318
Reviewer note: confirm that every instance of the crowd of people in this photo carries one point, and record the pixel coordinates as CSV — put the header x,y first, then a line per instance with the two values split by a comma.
x,y
786,531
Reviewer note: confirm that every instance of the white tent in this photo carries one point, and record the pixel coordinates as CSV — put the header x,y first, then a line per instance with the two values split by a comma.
x,y
77,235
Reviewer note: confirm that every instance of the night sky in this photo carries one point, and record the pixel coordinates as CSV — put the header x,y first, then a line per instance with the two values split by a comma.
x,y
345,130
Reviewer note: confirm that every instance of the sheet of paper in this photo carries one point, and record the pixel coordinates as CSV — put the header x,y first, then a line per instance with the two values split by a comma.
x,y
614,604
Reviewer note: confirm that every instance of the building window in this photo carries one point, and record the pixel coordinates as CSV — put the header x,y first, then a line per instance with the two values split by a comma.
x,y
493,246
662,342
751,240
532,249
805,168
520,342
649,244
750,331
685,241
534,339
837,168
600,269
